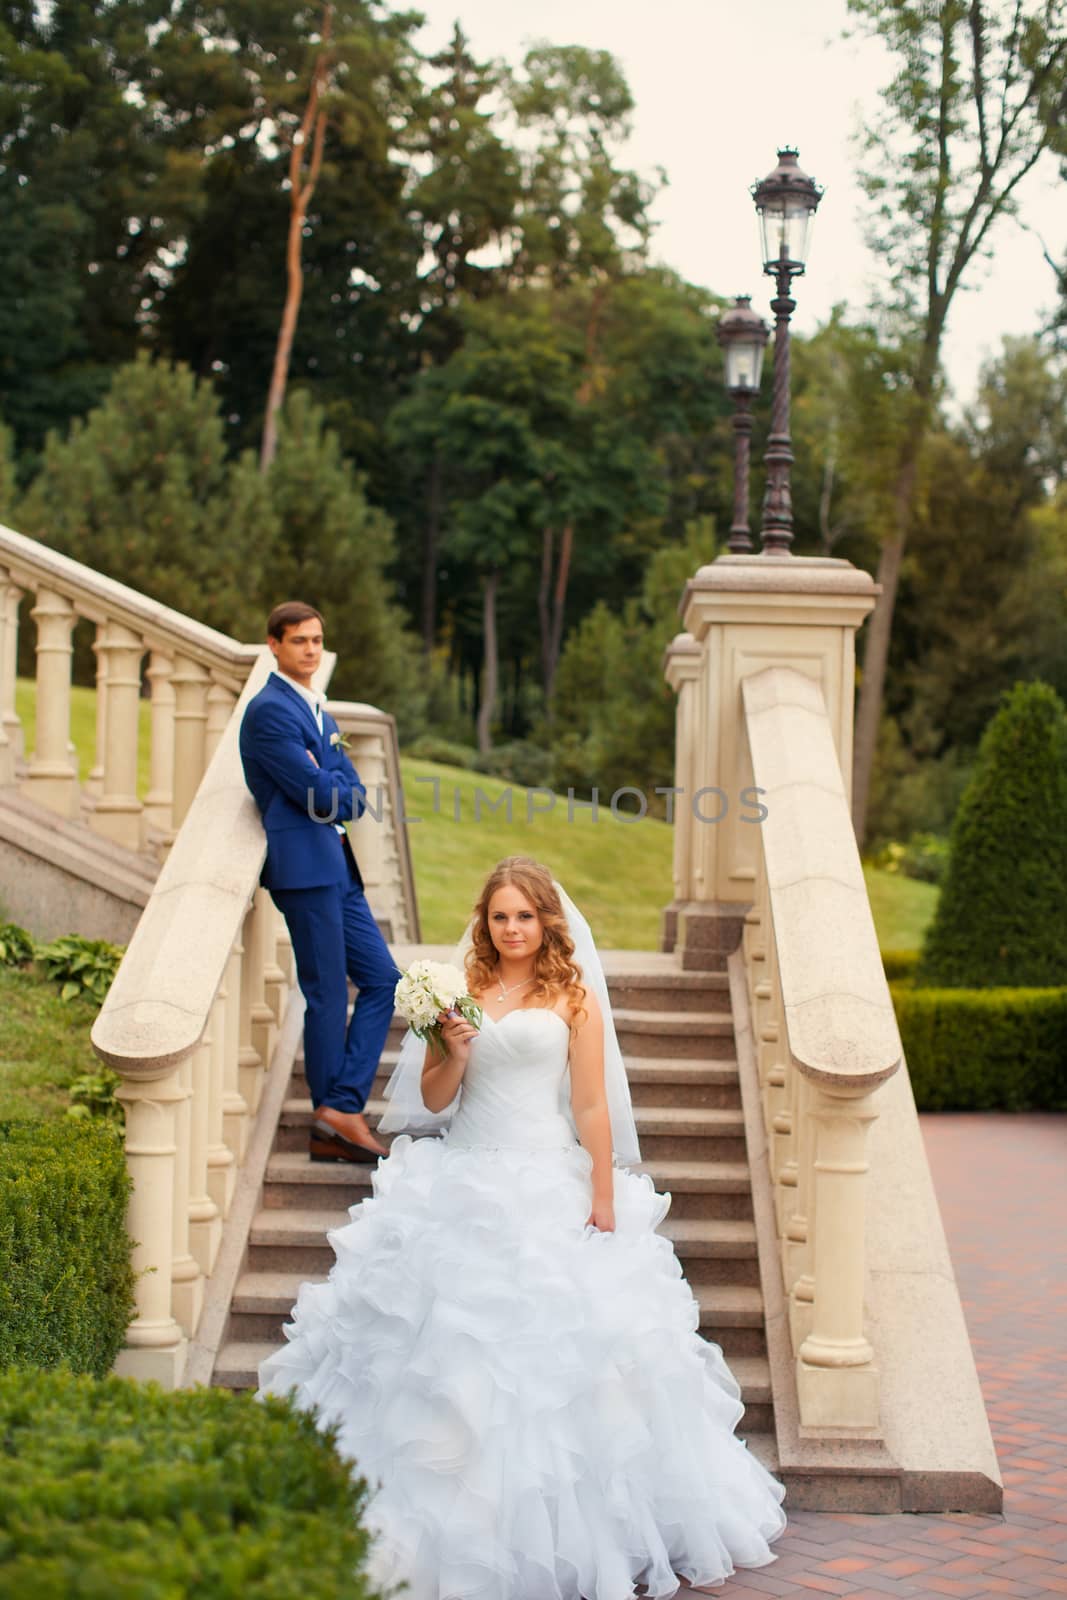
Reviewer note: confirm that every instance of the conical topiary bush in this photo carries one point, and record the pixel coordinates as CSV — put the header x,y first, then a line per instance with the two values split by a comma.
x,y
1002,915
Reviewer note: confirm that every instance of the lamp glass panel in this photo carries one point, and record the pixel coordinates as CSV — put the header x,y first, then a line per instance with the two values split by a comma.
x,y
744,364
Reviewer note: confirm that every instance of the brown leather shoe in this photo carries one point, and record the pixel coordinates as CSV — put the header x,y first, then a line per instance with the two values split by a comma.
x,y
350,1130
325,1145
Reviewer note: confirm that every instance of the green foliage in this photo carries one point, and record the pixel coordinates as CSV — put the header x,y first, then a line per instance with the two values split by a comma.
x,y
16,945
1002,916
117,1491
93,1095
1002,1049
44,1045
66,1284
80,966
900,965
924,856
142,491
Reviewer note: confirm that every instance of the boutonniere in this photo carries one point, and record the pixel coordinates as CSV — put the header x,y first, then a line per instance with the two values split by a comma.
x,y
339,741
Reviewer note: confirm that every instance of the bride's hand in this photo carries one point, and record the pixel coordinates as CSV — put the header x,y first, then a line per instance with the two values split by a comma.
x,y
457,1034
602,1217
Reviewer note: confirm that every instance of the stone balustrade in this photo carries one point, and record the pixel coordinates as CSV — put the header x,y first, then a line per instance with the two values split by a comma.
x,y
193,676
826,1039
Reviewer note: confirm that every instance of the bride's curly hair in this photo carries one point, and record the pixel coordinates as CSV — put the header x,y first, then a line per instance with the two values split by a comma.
x,y
555,971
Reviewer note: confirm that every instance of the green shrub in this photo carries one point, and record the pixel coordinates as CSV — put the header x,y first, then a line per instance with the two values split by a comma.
x,y
446,752
116,1491
81,966
93,1095
16,945
66,1284
1001,917
924,857
985,1049
900,965
521,762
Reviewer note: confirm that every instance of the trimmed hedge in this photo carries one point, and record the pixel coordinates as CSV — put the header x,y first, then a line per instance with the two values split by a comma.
x,y
66,1284
1001,917
116,1491
985,1049
899,964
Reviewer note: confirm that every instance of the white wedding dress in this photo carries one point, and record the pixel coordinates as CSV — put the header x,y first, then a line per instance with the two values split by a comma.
x,y
529,1399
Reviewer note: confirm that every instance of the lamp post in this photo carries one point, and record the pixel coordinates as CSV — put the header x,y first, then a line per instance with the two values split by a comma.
x,y
786,201
743,335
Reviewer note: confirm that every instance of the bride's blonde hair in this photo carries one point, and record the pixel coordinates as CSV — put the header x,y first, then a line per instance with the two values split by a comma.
x,y
555,972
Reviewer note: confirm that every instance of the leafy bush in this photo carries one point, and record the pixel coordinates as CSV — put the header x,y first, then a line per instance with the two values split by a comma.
x,y
1001,917
81,966
900,965
117,1491
93,1095
66,1284
521,762
16,945
431,747
985,1049
924,856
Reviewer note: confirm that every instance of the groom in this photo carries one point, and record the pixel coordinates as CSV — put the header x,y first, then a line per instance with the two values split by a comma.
x,y
302,780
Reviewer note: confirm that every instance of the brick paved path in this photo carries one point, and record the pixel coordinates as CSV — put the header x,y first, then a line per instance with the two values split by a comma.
x,y
1002,1185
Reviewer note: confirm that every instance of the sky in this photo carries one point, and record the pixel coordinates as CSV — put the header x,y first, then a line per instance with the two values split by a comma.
x,y
719,87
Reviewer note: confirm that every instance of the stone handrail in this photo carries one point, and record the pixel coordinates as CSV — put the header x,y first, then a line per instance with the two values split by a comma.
x,y
826,1038
194,674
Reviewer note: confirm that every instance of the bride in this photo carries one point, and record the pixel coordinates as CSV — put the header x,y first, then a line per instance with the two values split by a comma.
x,y
506,1346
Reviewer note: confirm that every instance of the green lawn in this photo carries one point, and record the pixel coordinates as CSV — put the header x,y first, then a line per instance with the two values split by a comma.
x,y
618,872
44,1045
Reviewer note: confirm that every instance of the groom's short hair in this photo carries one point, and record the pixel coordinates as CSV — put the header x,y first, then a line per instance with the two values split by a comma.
x,y
287,615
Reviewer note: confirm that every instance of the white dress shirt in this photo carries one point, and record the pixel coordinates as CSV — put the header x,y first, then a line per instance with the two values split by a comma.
x,y
314,701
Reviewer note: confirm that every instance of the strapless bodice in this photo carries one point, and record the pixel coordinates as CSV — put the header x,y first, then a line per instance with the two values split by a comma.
x,y
513,1089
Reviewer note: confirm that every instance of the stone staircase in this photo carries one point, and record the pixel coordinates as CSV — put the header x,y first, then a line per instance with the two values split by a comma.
x,y
676,1034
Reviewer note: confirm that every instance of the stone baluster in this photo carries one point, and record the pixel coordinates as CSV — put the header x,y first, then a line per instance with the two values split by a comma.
x,y
51,780
276,978
155,1344
94,783
797,1263
682,666
186,1276
221,1171
250,1068
10,728
220,704
156,818
117,813
260,937
205,1221
837,1381
368,833
191,682
234,1106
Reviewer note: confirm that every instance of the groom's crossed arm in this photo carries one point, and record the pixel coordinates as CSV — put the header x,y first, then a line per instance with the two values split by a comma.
x,y
277,742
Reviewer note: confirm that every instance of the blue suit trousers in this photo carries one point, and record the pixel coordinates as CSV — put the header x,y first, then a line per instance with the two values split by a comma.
x,y
335,937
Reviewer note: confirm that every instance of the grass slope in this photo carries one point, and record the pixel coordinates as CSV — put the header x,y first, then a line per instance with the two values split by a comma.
x,y
44,1045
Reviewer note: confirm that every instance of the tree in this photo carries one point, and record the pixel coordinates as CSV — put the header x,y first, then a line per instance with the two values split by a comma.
x,y
976,102
143,491
1001,915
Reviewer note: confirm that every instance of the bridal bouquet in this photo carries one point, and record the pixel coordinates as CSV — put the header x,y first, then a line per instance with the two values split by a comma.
x,y
425,990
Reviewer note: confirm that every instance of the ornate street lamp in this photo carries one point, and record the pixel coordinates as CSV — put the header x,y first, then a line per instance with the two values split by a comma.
x,y
786,201
743,335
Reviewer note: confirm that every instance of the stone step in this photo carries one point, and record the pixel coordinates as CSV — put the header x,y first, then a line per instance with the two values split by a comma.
x,y
237,1364
698,1187
666,1081
644,1031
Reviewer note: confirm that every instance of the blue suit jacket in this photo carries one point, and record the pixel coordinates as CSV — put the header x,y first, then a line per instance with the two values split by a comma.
x,y
298,801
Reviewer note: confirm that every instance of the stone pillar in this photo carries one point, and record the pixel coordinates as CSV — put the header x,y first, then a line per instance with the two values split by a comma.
x,y
9,723
234,1106
117,813
221,1171
155,1344
188,1295
156,817
51,780
747,613
837,1381
94,783
205,1223
220,704
681,668
191,683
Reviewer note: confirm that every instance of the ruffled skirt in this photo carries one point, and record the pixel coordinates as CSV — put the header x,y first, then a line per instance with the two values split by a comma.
x,y
529,1400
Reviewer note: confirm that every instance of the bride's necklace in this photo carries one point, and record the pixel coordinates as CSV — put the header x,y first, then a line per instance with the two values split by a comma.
x,y
512,988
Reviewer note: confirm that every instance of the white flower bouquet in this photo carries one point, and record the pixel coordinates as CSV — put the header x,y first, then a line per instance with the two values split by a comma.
x,y
425,990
